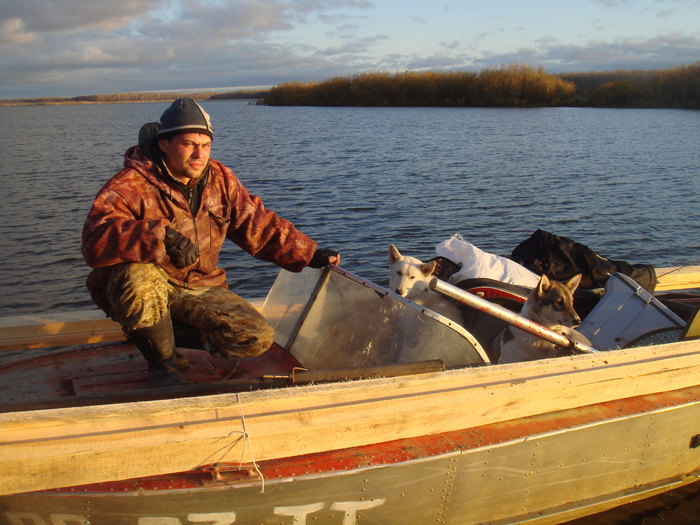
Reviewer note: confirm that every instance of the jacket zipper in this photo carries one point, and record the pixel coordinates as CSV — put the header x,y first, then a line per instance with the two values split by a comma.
x,y
188,200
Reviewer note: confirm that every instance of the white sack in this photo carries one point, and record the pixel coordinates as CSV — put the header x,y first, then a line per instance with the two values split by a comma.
x,y
478,263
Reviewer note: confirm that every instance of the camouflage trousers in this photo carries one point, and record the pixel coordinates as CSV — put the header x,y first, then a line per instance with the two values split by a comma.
x,y
211,318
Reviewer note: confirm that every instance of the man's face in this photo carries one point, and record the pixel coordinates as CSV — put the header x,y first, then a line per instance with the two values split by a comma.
x,y
186,155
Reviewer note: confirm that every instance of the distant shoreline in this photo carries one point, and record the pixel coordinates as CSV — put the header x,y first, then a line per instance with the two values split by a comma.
x,y
133,98
508,86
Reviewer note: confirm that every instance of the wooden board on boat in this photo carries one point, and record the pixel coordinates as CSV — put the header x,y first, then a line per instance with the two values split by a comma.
x,y
681,277
70,446
28,332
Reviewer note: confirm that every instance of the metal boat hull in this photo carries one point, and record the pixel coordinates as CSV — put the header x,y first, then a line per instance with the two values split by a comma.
x,y
541,469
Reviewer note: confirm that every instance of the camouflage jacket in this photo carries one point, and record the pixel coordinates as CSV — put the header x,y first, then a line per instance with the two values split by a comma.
x,y
129,215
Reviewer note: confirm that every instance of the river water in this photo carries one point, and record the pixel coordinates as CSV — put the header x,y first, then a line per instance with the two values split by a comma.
x,y
624,182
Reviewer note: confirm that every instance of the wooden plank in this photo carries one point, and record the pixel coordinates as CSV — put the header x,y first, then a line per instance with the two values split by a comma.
x,y
38,320
682,277
62,447
79,338
47,326
58,329
62,329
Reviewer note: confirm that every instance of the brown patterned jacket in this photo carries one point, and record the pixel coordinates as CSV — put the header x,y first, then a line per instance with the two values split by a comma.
x,y
129,215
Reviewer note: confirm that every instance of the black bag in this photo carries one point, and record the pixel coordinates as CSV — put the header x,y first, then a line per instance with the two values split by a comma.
x,y
560,259
445,268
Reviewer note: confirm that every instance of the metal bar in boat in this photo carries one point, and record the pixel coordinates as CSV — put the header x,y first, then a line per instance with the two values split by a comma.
x,y
295,377
305,377
509,317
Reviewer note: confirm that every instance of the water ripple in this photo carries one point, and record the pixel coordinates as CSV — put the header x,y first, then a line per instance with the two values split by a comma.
x,y
357,179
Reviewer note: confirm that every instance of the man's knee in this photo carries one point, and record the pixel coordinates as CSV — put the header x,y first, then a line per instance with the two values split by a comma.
x,y
138,295
246,335
229,326
258,341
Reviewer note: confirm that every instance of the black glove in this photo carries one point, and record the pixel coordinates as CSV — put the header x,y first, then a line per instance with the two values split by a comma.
x,y
180,249
320,258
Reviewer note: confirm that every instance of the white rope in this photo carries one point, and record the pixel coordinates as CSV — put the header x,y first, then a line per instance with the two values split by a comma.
x,y
246,437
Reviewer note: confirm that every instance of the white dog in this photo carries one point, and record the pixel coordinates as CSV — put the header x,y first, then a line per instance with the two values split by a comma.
x,y
550,304
410,278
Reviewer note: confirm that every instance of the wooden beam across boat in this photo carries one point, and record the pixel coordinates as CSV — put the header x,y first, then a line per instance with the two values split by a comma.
x,y
57,329
28,332
677,278
70,446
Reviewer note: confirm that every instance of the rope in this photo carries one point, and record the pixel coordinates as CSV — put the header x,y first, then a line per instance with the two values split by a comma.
x,y
246,437
222,452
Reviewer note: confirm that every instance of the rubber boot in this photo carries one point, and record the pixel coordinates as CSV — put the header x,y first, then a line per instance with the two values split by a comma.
x,y
157,345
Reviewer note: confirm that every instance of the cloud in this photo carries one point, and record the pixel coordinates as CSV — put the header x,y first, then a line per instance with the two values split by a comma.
x,y
40,16
612,3
437,61
79,43
452,44
643,4
658,52
78,47
13,32
354,47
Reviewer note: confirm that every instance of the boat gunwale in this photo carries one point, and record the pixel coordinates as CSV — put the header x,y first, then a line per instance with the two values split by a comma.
x,y
447,444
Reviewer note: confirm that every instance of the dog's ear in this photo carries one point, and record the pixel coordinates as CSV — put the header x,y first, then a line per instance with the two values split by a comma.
x,y
428,268
573,283
543,286
394,254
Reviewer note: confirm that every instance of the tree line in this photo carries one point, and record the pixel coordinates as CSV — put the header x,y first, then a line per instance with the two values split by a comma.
x,y
509,86
674,88
116,98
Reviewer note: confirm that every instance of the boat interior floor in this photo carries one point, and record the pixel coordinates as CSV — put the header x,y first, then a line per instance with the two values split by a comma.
x,y
114,372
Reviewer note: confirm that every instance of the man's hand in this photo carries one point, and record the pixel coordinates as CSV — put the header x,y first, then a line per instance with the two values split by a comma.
x,y
324,257
180,249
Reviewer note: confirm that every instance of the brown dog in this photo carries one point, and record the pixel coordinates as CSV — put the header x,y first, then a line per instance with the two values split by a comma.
x,y
550,304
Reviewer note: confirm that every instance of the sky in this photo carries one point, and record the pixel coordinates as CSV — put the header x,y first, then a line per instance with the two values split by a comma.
x,y
65,48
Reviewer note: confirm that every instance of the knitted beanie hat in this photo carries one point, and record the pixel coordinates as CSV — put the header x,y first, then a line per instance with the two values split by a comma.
x,y
185,116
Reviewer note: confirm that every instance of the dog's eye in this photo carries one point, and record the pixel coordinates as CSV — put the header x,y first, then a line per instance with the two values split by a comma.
x,y
412,277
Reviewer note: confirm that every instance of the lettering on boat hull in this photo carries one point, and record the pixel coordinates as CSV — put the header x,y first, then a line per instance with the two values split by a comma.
x,y
346,512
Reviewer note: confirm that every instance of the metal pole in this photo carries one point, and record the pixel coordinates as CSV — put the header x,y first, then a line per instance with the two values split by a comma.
x,y
509,317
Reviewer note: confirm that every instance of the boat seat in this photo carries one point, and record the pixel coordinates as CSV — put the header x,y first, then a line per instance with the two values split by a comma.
x,y
485,327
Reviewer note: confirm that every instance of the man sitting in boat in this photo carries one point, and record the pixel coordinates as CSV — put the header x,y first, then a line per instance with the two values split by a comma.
x,y
154,234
